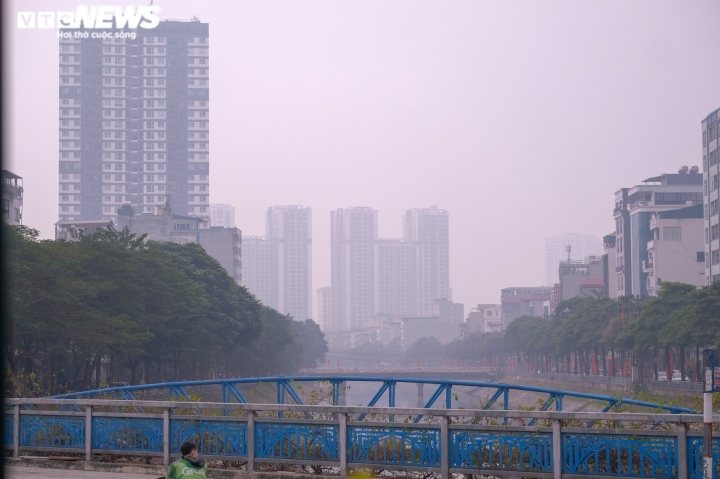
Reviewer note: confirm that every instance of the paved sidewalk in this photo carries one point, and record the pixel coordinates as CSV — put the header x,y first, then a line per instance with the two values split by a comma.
x,y
20,472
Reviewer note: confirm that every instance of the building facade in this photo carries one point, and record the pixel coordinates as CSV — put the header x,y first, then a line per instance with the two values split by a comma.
x,y
581,278
289,230
277,268
427,231
610,279
634,208
12,198
134,121
485,318
556,250
224,244
676,250
353,237
394,278
324,308
525,301
222,215
258,260
711,198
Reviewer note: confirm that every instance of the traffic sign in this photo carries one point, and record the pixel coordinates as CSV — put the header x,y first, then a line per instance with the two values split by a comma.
x,y
712,380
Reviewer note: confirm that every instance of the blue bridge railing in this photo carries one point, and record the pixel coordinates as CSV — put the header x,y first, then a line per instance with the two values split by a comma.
x,y
465,441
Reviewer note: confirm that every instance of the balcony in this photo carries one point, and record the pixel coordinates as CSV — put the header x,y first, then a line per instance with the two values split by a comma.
x,y
647,267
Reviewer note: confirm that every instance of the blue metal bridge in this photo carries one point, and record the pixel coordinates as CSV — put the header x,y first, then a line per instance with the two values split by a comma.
x,y
499,395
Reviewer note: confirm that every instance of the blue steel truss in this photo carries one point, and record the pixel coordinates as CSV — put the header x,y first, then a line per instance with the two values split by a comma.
x,y
284,387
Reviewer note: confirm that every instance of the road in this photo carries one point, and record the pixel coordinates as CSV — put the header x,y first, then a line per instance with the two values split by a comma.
x,y
20,472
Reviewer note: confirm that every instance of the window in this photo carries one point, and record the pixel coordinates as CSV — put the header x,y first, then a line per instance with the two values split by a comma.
x,y
713,208
714,232
671,233
700,256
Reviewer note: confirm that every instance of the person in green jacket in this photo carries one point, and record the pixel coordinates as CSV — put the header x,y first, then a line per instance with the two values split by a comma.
x,y
189,466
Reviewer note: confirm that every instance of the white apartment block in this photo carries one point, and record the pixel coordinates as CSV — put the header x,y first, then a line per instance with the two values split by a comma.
x,y
676,250
581,246
222,215
711,196
134,122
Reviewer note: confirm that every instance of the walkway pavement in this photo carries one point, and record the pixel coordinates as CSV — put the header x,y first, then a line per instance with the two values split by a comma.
x,y
20,472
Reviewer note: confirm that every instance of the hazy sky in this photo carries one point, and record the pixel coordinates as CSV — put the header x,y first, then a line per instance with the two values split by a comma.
x,y
519,118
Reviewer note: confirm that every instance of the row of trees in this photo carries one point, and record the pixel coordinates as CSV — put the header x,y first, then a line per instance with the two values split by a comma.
x,y
584,330
144,311
589,335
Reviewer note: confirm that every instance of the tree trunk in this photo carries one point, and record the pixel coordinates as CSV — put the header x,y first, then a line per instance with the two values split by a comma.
x,y
682,362
668,367
697,363
98,366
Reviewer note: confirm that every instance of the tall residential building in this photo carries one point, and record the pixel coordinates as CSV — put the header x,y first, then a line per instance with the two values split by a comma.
x,y
395,278
427,230
324,308
634,208
258,258
353,234
581,246
711,199
222,215
289,230
277,268
134,124
12,198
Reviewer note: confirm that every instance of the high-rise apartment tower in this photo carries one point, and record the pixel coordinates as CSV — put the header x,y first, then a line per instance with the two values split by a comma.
x,y
711,198
134,121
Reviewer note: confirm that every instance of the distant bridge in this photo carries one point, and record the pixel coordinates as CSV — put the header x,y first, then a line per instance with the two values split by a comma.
x,y
493,395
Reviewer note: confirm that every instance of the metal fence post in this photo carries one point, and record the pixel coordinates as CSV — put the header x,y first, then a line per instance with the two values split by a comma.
x,y
16,431
166,437
342,444
250,441
444,448
681,430
557,449
88,433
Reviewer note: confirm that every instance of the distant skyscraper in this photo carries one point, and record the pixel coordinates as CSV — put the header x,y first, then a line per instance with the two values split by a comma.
x,y
257,272
222,215
711,185
353,234
427,230
324,308
289,229
581,246
277,268
396,278
388,277
134,122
